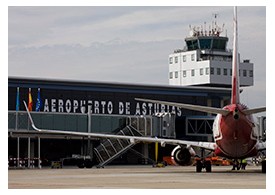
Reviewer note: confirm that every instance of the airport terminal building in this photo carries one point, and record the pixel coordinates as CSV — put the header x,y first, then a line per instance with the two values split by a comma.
x,y
103,108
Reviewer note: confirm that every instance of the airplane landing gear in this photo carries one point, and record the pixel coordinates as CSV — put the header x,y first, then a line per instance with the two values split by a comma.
x,y
203,164
236,165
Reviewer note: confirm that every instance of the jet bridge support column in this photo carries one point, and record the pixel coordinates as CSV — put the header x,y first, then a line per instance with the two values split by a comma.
x,y
39,158
18,151
90,143
145,152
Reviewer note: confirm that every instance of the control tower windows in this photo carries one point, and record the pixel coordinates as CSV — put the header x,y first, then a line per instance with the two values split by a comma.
x,y
192,44
201,71
184,58
211,70
193,72
192,57
176,74
176,59
218,71
251,73
171,60
205,43
244,73
207,71
171,75
184,73
219,44
209,42
225,71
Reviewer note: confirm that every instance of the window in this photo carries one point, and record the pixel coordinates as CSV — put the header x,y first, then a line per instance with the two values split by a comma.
x,y
171,60
184,58
192,72
184,73
176,59
211,70
171,75
201,71
230,71
218,71
192,57
207,71
244,73
225,71
251,73
176,74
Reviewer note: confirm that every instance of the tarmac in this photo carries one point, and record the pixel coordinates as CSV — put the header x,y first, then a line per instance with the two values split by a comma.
x,y
137,177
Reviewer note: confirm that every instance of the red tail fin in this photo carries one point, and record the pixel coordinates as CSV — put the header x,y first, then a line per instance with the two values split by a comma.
x,y
235,96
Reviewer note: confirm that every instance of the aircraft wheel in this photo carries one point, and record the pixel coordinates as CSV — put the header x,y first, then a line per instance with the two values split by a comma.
x,y
198,166
88,164
208,166
80,164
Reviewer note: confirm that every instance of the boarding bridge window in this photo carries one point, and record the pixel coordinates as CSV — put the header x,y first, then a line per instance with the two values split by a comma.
x,y
176,59
193,72
211,70
207,71
218,71
201,71
171,60
225,72
184,58
244,73
171,75
192,57
176,74
251,73
184,73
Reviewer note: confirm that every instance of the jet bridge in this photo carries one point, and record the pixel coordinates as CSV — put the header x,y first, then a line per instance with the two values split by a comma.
x,y
109,149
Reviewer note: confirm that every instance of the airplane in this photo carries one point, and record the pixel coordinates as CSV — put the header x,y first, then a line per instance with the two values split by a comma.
x,y
234,131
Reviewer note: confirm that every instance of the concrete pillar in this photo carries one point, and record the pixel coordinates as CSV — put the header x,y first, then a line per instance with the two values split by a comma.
x,y
39,154
18,151
145,152
29,151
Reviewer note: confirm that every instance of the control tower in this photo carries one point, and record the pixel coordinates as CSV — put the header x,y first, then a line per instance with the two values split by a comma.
x,y
206,61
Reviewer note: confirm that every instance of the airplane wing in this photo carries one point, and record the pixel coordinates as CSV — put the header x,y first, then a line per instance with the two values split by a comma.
x,y
189,106
254,110
133,139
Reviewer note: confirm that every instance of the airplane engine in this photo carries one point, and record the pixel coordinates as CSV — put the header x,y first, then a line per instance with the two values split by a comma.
x,y
182,156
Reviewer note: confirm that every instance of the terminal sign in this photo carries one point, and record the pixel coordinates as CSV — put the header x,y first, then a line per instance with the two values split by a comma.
x,y
107,107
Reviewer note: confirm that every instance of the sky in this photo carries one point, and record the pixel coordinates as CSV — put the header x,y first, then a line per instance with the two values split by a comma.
x,y
124,44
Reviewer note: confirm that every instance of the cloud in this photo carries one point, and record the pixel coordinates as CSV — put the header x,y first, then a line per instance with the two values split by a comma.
x,y
123,44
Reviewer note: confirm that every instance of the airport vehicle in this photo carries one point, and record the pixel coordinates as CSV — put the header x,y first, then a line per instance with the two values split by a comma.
x,y
234,131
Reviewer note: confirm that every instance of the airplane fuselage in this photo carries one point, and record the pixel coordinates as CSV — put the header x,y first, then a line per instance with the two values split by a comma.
x,y
235,134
